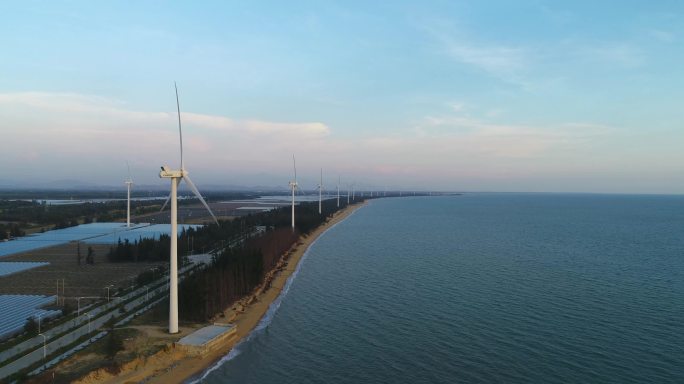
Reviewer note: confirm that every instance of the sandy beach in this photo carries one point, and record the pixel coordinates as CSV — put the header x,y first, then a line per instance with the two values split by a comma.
x,y
172,366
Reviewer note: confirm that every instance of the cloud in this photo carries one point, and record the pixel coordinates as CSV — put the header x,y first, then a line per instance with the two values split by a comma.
x,y
87,138
256,127
505,62
68,129
662,36
480,138
82,108
537,65
457,107
498,60
617,53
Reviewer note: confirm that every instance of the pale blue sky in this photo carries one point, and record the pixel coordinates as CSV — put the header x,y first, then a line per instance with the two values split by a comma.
x,y
457,95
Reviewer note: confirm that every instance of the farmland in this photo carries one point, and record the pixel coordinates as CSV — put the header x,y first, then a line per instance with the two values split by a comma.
x,y
79,280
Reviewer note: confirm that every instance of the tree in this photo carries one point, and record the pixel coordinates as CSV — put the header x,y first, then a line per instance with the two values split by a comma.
x,y
114,343
78,252
67,309
31,326
90,258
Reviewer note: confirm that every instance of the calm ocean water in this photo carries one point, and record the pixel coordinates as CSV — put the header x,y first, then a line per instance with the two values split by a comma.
x,y
482,288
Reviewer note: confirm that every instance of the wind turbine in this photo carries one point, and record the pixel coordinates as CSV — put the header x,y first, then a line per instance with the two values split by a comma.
x,y
320,193
176,177
128,183
338,191
294,186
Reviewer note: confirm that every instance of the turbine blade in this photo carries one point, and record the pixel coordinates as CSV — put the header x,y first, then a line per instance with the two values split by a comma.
x,y
180,131
199,196
166,202
294,165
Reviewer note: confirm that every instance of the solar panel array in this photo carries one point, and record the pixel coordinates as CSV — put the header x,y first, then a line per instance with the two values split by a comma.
x,y
23,245
17,308
62,236
10,267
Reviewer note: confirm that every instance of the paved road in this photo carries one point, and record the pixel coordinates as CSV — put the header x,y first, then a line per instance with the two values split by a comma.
x,y
50,333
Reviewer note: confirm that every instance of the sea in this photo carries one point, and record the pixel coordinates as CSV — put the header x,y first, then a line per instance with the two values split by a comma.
x,y
481,288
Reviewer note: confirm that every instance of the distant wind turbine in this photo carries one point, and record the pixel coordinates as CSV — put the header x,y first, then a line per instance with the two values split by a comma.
x,y
320,193
338,191
128,183
294,186
176,177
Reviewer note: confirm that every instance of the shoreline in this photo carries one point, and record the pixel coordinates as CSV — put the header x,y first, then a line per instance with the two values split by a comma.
x,y
174,367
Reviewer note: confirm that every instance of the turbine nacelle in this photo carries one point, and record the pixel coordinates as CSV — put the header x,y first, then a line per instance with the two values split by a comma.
x,y
168,173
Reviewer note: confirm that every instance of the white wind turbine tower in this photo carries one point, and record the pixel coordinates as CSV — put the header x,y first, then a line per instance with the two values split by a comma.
x,y
294,186
320,193
338,191
176,176
128,183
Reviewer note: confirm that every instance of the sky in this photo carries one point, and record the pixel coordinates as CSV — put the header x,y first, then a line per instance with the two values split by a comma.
x,y
527,96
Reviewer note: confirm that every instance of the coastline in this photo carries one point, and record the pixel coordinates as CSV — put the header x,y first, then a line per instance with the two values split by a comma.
x,y
174,367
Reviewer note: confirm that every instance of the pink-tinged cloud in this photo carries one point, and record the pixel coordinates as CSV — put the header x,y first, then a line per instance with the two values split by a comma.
x,y
69,136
